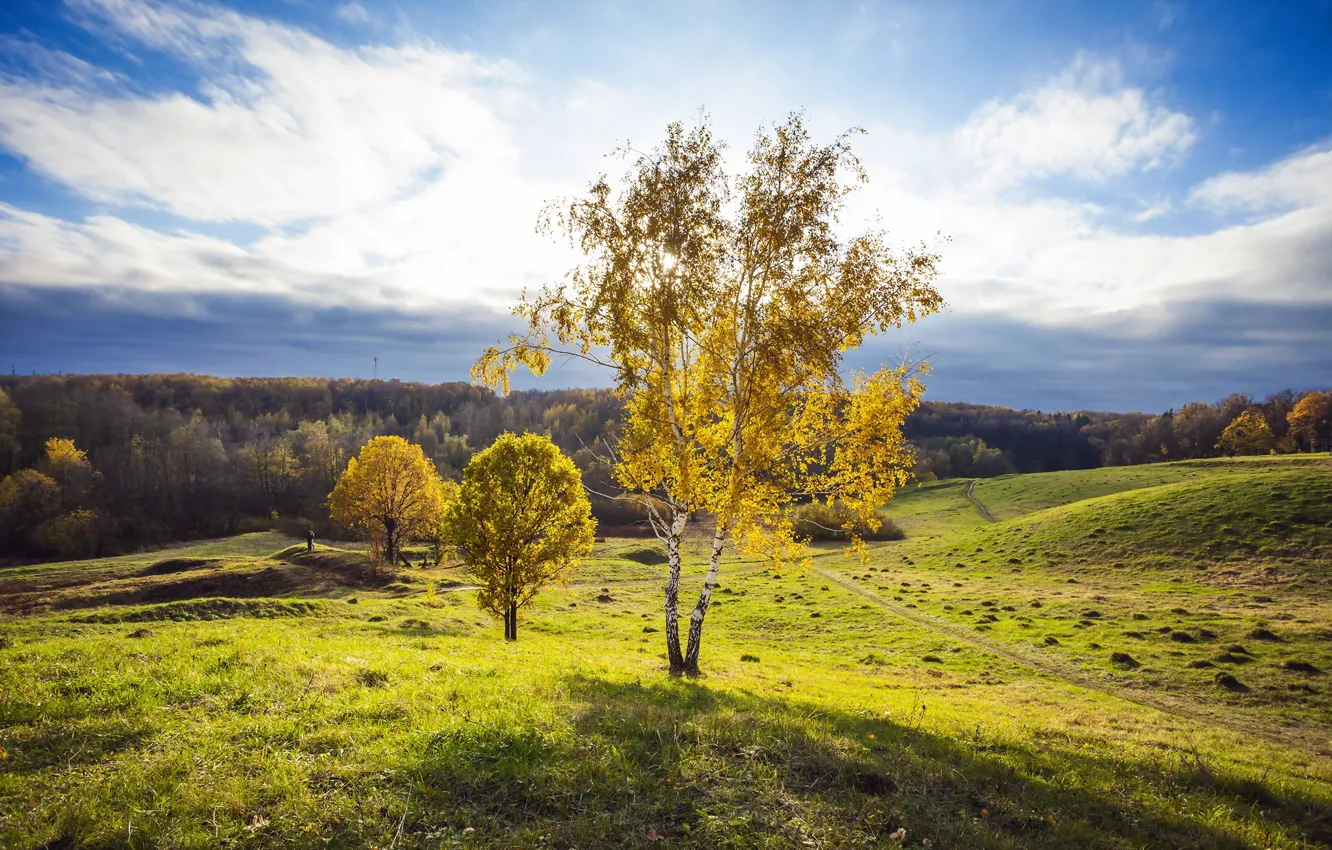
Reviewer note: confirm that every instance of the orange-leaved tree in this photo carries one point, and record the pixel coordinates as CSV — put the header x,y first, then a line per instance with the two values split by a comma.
x,y
1247,434
1310,419
521,521
391,494
724,305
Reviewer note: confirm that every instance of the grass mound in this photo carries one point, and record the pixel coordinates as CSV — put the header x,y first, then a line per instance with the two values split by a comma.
x,y
1264,515
1012,496
208,609
645,554
178,565
338,560
342,566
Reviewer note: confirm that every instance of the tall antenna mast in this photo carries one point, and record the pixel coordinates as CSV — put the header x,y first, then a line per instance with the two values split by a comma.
x,y
376,368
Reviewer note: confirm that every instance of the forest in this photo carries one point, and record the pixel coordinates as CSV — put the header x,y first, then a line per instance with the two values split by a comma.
x,y
141,460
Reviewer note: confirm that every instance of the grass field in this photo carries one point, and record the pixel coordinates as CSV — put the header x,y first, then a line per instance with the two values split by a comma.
x,y
1127,658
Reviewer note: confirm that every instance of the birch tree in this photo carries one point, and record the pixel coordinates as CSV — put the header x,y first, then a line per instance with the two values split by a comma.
x,y
725,306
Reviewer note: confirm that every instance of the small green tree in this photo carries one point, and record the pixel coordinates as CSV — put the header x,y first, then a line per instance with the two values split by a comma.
x,y
521,521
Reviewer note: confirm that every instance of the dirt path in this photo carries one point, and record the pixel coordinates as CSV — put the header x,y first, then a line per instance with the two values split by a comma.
x,y
1320,745
985,512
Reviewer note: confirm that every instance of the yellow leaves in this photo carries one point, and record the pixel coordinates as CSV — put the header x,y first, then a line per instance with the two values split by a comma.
x,y
1248,434
726,305
493,368
1311,417
62,453
521,520
390,493
27,497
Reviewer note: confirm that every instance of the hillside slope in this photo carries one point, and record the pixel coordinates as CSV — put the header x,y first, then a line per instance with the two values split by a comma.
x,y
1203,582
1011,496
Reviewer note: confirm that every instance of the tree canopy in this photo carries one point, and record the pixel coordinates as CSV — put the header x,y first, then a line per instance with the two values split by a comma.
x,y
724,306
1248,434
391,494
521,521
1311,419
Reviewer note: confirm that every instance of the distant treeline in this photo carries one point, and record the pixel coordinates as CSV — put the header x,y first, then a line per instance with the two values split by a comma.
x,y
980,441
179,456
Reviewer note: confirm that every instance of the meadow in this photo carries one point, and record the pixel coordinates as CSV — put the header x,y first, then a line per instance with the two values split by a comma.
x,y
1123,657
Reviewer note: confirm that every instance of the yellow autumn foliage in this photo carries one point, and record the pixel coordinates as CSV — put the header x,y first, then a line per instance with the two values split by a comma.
x,y
391,494
521,522
1248,434
725,306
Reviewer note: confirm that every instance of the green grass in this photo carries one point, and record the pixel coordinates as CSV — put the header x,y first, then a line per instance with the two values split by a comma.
x,y
934,509
1176,565
1011,496
135,712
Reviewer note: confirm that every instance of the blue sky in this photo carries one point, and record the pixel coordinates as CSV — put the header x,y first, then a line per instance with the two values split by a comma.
x,y
1138,194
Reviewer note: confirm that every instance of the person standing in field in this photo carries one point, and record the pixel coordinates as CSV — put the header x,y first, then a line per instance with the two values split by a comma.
x,y
309,540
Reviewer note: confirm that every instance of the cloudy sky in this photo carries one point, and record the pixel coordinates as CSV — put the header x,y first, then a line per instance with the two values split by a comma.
x,y
1138,194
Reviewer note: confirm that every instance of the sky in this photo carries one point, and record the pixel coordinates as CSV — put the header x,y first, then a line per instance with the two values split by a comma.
x,y
1136,196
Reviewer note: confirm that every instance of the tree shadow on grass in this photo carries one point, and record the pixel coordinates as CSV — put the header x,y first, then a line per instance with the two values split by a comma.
x,y
706,767
90,742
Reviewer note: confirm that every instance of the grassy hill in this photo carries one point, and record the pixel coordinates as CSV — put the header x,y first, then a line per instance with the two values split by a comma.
x,y
1201,586
1051,679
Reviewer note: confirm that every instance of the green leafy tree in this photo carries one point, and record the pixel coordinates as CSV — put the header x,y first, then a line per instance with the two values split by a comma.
x,y
521,521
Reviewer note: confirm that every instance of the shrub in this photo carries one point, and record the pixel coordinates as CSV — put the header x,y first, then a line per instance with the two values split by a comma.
x,y
821,521
71,535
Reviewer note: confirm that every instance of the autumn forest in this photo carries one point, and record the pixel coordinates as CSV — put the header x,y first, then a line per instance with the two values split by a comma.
x,y
176,457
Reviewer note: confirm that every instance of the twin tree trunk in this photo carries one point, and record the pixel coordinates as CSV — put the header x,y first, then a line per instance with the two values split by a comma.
x,y
687,663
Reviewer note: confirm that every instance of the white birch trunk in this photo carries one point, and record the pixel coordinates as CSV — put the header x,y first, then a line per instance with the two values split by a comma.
x,y
704,599
674,534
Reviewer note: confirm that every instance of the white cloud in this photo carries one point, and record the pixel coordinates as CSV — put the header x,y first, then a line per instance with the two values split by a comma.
x,y
1083,123
353,13
414,173
1153,212
1302,180
311,131
1055,261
